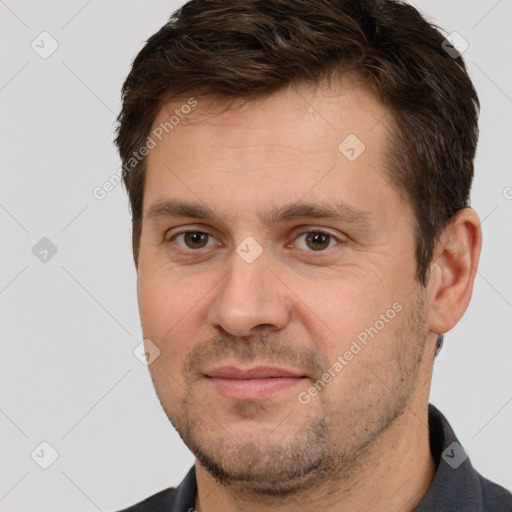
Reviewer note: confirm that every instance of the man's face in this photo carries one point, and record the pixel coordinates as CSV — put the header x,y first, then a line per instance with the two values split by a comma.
x,y
253,304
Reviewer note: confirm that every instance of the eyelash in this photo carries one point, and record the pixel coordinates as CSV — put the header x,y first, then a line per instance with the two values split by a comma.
x,y
298,235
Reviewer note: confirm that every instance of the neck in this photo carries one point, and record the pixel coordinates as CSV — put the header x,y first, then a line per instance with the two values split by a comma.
x,y
394,473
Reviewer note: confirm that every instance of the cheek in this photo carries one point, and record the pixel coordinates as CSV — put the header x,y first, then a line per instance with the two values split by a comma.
x,y
160,302
169,310
345,311
343,301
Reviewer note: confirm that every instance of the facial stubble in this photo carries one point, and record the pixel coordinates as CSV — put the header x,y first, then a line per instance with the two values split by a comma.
x,y
298,451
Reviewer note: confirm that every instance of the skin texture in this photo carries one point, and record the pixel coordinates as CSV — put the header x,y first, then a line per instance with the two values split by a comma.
x,y
361,442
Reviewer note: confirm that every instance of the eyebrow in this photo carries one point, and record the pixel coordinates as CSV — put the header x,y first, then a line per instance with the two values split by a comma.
x,y
293,211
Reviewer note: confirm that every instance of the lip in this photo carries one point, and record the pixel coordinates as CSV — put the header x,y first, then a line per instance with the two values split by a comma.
x,y
258,372
258,383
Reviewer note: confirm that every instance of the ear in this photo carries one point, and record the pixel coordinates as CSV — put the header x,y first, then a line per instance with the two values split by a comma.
x,y
453,270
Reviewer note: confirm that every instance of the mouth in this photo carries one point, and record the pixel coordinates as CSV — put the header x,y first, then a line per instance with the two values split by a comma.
x,y
258,383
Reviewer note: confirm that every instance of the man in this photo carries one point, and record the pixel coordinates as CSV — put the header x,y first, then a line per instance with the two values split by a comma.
x,y
299,177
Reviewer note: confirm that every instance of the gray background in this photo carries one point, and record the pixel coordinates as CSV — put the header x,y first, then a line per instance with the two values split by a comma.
x,y
69,325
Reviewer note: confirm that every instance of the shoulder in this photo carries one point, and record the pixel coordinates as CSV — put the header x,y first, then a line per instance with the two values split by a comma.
x,y
158,502
494,497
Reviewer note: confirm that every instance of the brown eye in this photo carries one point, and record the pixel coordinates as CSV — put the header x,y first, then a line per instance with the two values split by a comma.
x,y
318,241
196,240
192,239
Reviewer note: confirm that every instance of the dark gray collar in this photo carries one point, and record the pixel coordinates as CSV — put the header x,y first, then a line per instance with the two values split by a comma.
x,y
456,484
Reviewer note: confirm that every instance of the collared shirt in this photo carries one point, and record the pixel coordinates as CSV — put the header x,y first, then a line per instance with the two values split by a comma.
x,y
456,486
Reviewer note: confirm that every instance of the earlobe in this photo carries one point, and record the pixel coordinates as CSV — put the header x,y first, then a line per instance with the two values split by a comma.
x,y
454,269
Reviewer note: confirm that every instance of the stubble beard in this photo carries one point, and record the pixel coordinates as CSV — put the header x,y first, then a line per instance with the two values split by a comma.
x,y
330,445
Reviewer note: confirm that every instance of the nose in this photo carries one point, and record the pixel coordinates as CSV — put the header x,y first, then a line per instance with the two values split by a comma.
x,y
250,298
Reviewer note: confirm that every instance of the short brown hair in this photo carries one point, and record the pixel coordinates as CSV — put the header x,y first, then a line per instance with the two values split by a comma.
x,y
251,48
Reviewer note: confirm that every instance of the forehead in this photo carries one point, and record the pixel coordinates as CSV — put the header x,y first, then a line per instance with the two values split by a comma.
x,y
314,115
302,140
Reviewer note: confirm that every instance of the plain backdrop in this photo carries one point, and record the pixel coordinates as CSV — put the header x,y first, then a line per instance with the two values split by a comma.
x,y
69,319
